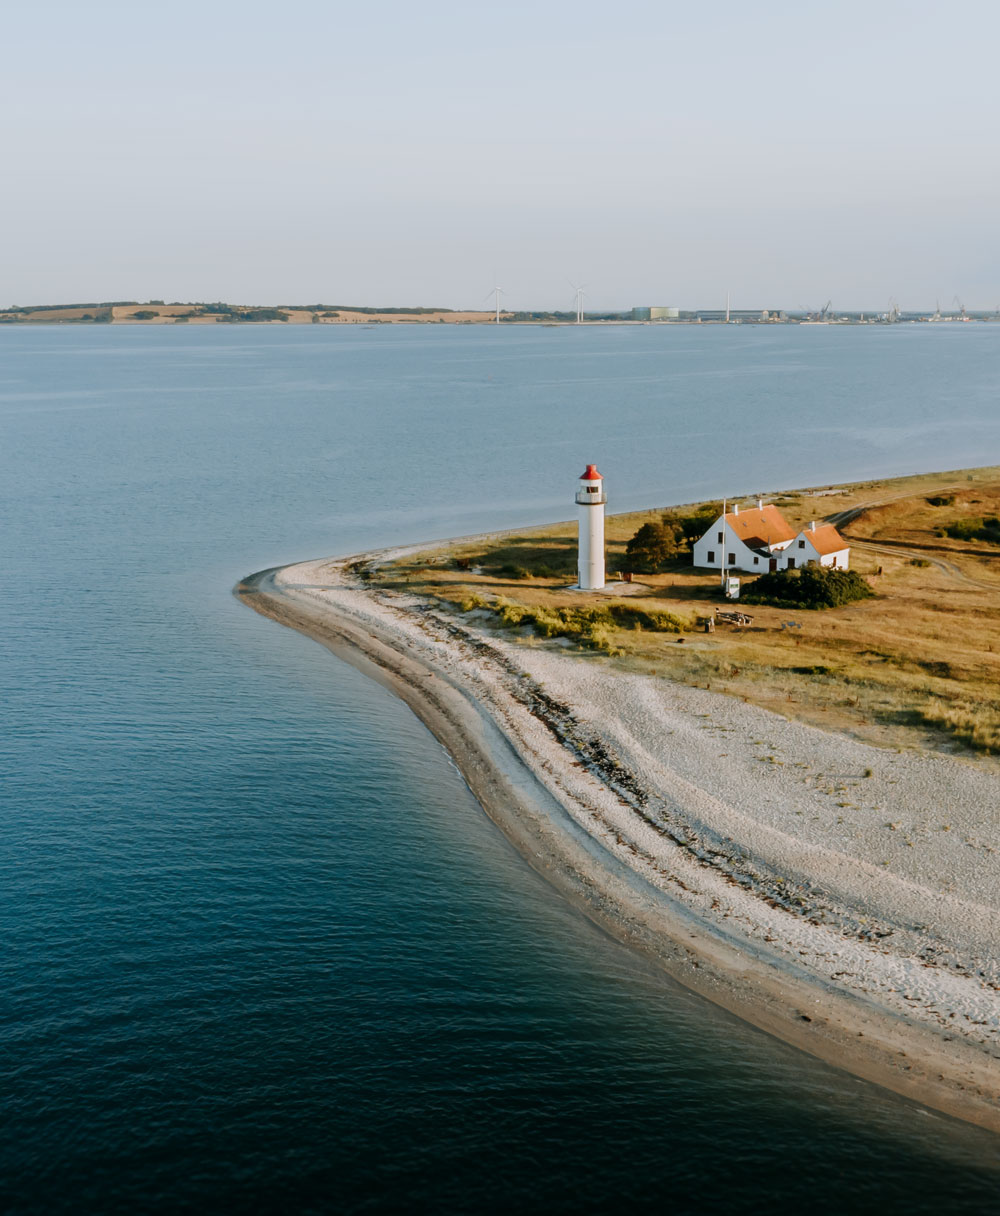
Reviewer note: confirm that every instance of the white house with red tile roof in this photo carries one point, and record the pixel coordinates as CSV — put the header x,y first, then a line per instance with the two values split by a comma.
x,y
752,541
820,543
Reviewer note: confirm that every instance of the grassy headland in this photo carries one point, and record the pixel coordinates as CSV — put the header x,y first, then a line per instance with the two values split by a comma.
x,y
917,664
157,312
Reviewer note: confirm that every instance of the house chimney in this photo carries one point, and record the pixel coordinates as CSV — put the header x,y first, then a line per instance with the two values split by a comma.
x,y
812,526
760,504
736,508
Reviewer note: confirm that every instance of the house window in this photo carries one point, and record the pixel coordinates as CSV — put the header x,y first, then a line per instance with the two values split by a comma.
x,y
719,538
591,489
756,561
791,563
711,557
732,559
802,544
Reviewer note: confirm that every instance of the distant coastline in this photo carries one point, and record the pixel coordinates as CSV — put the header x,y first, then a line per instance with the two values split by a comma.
x,y
647,803
159,312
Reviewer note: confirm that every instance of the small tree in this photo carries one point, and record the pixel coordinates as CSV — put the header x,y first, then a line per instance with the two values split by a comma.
x,y
692,527
652,545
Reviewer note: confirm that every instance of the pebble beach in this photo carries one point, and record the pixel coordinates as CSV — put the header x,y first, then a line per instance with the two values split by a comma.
x,y
842,896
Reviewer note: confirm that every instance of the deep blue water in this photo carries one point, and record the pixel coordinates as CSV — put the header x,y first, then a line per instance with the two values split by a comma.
x,y
261,949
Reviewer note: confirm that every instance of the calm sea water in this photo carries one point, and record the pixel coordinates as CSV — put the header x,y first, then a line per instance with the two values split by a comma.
x,y
261,950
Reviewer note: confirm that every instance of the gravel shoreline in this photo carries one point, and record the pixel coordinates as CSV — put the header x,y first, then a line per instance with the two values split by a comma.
x,y
843,897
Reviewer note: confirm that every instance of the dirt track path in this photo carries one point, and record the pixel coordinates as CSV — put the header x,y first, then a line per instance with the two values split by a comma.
x,y
840,519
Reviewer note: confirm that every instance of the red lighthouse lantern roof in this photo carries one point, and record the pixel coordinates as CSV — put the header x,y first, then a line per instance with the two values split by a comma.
x,y
590,473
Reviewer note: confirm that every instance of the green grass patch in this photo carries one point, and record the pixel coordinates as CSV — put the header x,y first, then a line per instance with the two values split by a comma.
x,y
591,626
975,528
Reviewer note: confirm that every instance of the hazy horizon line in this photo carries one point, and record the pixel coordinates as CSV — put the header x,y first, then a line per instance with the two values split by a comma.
x,y
955,307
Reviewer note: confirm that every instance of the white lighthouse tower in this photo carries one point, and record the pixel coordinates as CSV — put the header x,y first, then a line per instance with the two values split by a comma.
x,y
590,499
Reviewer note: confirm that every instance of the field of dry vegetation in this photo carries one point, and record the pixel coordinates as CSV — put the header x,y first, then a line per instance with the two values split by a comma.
x,y
917,665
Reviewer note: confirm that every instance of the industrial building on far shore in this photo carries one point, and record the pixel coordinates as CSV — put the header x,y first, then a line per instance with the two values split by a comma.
x,y
735,316
653,313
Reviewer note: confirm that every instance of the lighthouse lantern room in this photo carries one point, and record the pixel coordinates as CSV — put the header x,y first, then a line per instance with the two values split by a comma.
x,y
590,500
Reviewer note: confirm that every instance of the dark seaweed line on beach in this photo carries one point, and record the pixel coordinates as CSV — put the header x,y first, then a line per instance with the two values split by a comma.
x,y
733,863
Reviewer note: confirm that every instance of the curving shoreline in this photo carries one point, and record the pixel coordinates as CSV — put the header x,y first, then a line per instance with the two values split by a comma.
x,y
798,931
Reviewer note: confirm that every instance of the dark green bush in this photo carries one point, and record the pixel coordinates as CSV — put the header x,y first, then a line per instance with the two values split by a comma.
x,y
941,500
248,314
975,528
809,587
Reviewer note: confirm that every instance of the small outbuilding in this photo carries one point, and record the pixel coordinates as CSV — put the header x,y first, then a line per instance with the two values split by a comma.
x,y
819,544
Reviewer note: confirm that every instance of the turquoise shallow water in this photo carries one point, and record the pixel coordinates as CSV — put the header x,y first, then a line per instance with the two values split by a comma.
x,y
261,948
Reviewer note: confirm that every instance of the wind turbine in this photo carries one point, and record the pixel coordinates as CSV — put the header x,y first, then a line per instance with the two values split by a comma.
x,y
497,292
580,293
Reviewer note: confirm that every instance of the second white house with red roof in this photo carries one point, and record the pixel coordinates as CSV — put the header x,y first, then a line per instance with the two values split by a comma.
x,y
820,543
759,540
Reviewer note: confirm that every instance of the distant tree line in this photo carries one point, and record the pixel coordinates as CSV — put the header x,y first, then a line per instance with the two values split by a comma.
x,y
235,313
256,314
57,307
565,316
538,316
332,310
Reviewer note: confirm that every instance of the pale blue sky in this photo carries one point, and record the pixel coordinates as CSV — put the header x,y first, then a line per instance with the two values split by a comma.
x,y
400,153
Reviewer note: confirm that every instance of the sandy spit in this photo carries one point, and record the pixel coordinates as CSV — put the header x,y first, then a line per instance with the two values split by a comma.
x,y
843,897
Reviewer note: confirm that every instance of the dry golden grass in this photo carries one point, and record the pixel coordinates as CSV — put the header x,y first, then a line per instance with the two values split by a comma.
x,y
62,314
167,314
919,664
